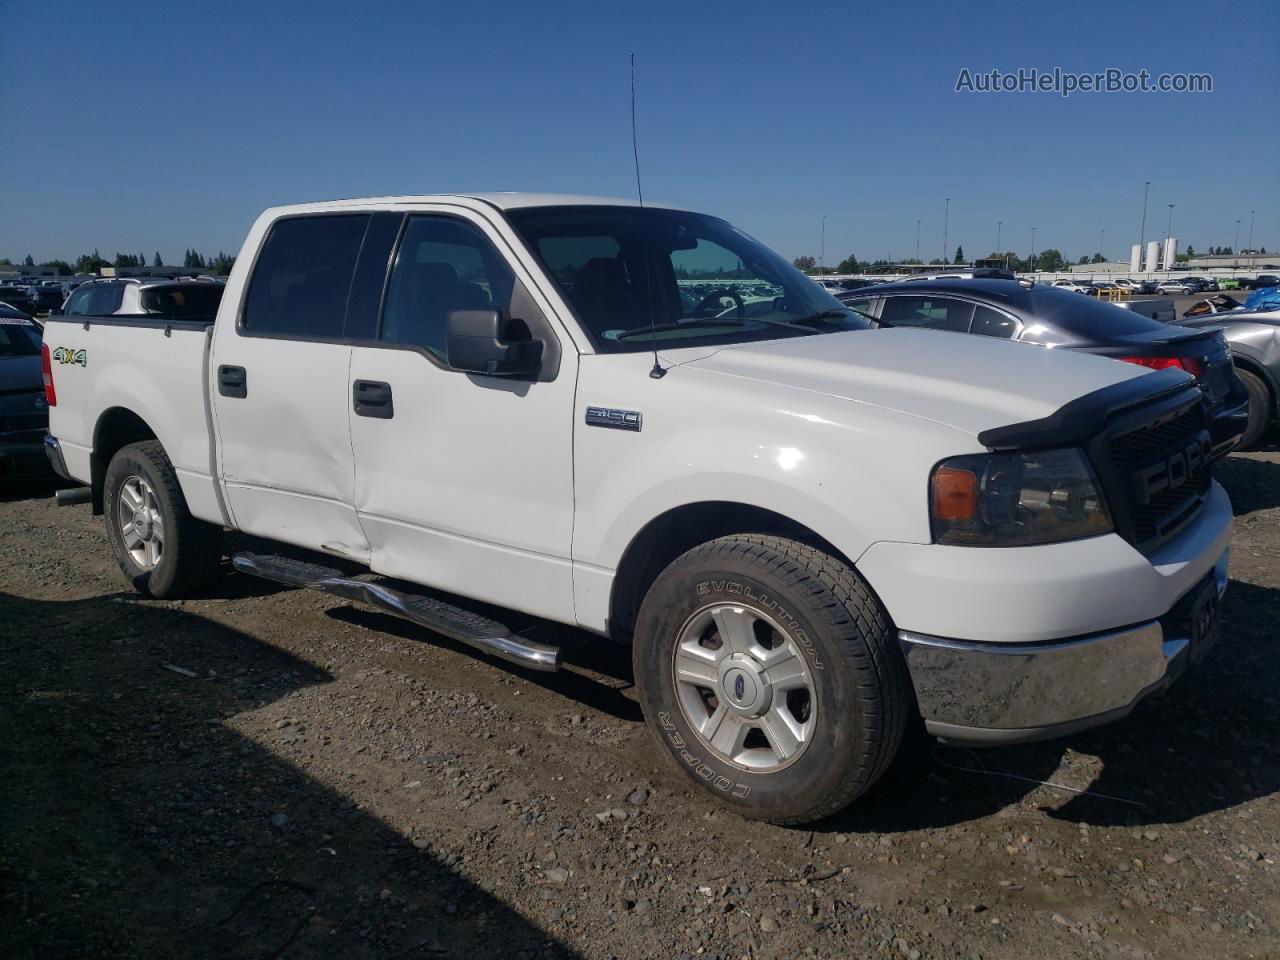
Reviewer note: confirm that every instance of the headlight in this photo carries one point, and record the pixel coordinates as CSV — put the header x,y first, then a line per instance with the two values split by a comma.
x,y
1016,499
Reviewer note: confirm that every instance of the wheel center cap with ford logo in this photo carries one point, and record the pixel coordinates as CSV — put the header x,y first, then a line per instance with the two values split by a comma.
x,y
743,688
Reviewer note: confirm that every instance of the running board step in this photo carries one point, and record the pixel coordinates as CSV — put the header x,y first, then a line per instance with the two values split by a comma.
x,y
486,635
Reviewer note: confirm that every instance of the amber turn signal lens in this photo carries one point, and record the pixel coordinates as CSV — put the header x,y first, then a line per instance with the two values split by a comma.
x,y
955,494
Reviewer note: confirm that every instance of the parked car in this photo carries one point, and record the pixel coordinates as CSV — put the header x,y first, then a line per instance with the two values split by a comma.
x,y
1204,284
1054,317
1261,281
45,297
17,296
1253,332
24,414
1135,286
1181,286
503,397
1075,286
142,298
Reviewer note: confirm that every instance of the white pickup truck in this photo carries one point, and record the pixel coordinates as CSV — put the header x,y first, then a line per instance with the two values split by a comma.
x,y
809,532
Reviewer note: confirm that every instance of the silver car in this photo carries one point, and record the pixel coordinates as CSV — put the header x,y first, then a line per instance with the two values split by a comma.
x,y
1254,337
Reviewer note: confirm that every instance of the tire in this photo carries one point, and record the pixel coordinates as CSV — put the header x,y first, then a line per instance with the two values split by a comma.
x,y
850,706
188,551
1260,407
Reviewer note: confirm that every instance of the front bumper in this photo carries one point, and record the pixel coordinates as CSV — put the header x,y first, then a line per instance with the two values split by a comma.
x,y
988,694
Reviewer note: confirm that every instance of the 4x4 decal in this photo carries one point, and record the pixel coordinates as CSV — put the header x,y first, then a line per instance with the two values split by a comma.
x,y
71,355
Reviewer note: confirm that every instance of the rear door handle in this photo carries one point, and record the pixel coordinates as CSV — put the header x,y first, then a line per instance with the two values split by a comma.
x,y
232,381
372,398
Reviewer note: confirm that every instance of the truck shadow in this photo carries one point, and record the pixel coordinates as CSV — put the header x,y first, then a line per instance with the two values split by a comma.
x,y
1206,744
1252,484
139,820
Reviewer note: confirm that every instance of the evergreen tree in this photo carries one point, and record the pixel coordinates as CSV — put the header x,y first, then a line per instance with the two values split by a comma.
x,y
28,261
959,255
157,262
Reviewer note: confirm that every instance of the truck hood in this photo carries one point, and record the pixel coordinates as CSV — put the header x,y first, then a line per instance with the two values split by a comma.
x,y
970,383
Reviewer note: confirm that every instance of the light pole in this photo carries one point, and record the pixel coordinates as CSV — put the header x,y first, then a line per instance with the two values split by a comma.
x,y
918,222
999,224
1142,233
946,222
1102,242
1236,246
1033,249
1251,232
822,249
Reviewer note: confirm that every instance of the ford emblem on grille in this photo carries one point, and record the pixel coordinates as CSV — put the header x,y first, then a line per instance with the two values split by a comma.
x,y
1174,470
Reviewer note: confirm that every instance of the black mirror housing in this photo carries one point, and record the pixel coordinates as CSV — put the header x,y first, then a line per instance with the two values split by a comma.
x,y
482,341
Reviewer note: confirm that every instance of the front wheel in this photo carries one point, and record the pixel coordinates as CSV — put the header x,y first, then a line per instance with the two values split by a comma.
x,y
162,549
769,672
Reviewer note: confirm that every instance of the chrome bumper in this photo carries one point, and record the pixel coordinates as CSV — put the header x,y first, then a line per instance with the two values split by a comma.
x,y
997,693
53,451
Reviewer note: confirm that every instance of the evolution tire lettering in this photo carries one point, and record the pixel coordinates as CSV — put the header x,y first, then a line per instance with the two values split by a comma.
x,y
764,600
700,769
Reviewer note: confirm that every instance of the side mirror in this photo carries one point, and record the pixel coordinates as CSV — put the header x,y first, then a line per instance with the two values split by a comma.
x,y
483,341
55,311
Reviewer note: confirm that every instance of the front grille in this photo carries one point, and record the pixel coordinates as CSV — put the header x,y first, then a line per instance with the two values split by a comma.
x,y
1134,451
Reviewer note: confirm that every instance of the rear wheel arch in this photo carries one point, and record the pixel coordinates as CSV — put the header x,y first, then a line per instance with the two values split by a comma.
x,y
1250,365
117,427
669,535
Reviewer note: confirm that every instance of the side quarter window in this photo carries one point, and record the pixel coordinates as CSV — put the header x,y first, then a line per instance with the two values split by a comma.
x,y
937,313
444,264
993,323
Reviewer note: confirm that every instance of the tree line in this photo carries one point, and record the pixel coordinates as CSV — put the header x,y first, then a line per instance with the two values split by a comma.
x,y
1049,260
219,265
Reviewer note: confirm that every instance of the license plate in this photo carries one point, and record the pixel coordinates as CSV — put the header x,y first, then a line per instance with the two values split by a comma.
x,y
1205,622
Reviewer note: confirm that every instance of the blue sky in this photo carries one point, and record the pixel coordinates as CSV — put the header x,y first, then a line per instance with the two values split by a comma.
x,y
170,125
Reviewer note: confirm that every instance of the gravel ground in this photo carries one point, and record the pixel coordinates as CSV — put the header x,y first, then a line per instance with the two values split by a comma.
x,y
275,773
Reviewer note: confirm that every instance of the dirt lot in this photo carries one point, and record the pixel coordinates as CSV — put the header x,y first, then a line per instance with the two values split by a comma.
x,y
273,773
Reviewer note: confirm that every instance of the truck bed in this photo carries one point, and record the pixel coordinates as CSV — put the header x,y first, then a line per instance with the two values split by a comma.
x,y
100,364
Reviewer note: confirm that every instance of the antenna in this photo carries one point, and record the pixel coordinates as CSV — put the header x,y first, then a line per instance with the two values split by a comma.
x,y
657,373
635,150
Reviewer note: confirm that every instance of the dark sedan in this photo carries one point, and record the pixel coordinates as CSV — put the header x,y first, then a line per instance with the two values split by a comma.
x,y
24,414
1059,318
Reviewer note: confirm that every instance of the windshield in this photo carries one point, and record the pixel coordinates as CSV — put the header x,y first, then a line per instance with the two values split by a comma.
x,y
18,337
696,278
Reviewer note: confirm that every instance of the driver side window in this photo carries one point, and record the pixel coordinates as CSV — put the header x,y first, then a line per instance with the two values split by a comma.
x,y
444,264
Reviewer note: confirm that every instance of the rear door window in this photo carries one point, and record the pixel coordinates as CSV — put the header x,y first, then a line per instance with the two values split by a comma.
x,y
302,279
936,313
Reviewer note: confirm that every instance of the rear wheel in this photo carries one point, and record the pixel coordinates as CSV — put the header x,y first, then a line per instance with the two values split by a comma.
x,y
162,549
1260,407
769,672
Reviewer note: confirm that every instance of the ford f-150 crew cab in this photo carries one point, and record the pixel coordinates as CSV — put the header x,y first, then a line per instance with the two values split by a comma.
x,y
808,531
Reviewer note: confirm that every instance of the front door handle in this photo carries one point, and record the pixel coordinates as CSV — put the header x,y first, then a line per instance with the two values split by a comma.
x,y
372,398
233,382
